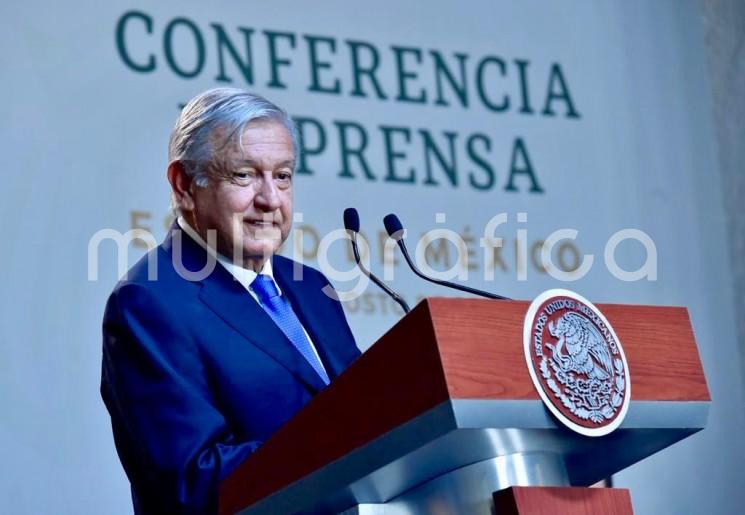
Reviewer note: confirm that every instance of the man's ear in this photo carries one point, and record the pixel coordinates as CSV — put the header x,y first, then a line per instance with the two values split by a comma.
x,y
181,185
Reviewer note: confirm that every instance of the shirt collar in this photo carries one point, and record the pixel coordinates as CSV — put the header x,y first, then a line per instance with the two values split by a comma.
x,y
242,275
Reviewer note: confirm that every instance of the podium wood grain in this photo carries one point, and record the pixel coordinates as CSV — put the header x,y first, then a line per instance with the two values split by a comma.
x,y
534,500
482,350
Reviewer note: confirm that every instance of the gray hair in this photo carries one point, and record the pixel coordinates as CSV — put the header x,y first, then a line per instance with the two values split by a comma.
x,y
229,109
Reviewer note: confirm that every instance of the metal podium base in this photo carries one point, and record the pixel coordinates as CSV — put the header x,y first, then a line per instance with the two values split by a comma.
x,y
469,489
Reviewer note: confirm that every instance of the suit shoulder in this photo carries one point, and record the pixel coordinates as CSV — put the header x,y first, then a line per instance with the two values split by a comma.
x,y
153,276
148,268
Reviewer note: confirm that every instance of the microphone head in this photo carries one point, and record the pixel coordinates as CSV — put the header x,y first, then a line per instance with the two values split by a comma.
x,y
351,220
393,226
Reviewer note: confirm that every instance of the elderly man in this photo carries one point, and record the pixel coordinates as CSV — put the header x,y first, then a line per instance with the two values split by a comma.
x,y
206,361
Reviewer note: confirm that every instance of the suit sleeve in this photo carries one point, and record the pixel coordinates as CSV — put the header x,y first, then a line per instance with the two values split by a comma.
x,y
173,441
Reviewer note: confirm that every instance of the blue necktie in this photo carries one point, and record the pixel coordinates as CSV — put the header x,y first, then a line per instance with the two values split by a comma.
x,y
281,312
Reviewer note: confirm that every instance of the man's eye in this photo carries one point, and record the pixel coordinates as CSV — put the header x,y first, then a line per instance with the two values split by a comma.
x,y
284,176
242,175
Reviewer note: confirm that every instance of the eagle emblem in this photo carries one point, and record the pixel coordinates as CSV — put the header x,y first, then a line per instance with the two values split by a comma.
x,y
576,362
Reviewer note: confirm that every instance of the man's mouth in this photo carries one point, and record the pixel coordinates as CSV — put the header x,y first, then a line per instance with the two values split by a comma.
x,y
262,224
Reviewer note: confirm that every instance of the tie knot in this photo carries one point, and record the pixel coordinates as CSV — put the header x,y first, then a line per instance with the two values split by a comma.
x,y
264,287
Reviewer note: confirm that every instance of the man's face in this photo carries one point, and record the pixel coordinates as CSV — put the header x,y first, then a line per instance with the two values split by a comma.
x,y
248,198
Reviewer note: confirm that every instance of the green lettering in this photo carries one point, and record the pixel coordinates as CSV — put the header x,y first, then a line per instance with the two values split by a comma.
x,y
404,75
316,65
122,47
557,78
347,151
522,66
274,61
393,155
519,152
358,71
198,43
481,162
430,149
458,86
481,89
305,148
224,43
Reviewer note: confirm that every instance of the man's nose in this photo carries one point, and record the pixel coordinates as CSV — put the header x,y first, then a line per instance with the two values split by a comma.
x,y
267,197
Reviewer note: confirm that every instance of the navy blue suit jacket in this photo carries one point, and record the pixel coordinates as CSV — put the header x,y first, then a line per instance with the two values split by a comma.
x,y
196,375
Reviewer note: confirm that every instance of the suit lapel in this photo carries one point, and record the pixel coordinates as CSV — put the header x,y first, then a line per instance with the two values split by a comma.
x,y
313,308
231,302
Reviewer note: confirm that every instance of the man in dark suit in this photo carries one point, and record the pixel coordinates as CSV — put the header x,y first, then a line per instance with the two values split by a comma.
x,y
212,341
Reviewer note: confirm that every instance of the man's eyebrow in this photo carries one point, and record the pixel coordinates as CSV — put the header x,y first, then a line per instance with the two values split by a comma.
x,y
290,163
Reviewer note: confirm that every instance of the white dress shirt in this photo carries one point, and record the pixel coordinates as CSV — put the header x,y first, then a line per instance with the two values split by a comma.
x,y
242,275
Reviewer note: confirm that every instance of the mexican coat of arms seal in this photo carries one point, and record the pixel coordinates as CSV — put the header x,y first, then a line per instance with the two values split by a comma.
x,y
576,362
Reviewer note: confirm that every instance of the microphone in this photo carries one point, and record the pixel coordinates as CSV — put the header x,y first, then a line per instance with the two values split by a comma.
x,y
395,230
352,225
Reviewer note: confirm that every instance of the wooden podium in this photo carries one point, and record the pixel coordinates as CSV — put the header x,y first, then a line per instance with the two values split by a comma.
x,y
440,416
